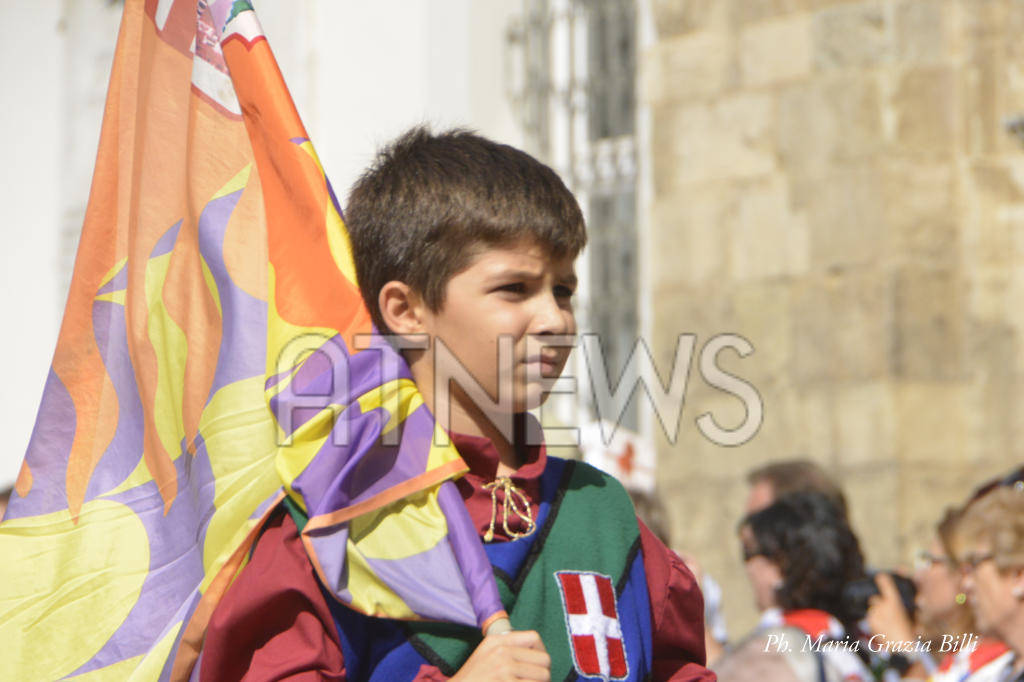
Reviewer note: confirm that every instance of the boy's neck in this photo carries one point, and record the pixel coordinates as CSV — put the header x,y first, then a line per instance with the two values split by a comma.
x,y
465,416
471,420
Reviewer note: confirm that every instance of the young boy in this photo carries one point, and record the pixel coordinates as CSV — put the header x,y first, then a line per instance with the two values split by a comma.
x,y
472,244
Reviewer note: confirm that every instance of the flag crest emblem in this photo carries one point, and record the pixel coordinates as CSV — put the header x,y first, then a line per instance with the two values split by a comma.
x,y
592,624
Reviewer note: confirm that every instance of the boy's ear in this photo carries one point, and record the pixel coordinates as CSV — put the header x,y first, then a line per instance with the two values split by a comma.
x,y
401,308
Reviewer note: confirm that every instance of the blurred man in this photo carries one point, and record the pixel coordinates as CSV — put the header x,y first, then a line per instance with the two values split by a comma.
x,y
771,481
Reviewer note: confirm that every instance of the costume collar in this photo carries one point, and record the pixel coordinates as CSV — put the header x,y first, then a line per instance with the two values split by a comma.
x,y
488,511
813,622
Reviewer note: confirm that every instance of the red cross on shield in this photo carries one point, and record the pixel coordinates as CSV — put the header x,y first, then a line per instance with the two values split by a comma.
x,y
592,621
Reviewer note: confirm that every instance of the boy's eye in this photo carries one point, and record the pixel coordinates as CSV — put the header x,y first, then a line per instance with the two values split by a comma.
x,y
563,292
514,287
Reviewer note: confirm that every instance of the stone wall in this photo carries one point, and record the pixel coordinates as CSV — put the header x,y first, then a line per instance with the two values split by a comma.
x,y
834,181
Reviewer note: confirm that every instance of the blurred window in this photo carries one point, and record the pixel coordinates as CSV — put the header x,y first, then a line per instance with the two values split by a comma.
x,y
572,69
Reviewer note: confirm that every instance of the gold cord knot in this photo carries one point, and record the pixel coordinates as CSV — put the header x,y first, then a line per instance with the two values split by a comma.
x,y
509,507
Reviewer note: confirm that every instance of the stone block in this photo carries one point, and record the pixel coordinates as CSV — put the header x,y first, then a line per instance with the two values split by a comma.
x,y
700,310
998,182
776,51
822,4
992,85
829,120
806,130
728,414
695,450
753,11
1013,101
814,432
767,238
985,82
1015,450
728,139
929,324
853,35
729,411
798,421
923,31
873,498
985,20
761,311
983,244
842,327
923,109
1013,28
921,212
677,17
989,294
690,66
1012,313
705,510
865,425
845,216
993,364
932,418
932,488
739,607
689,232
928,489
682,452
989,233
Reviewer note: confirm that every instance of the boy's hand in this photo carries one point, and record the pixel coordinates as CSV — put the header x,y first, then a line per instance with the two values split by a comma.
x,y
509,657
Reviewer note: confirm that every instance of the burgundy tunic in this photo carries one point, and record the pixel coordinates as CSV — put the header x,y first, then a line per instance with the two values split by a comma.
x,y
273,623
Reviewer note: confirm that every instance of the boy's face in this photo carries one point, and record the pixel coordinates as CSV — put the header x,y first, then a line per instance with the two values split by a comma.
x,y
519,292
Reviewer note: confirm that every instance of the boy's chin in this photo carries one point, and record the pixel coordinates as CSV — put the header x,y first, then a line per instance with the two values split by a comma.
x,y
530,398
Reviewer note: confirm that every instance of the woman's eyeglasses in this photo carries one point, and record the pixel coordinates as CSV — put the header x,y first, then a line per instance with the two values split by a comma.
x,y
924,559
970,562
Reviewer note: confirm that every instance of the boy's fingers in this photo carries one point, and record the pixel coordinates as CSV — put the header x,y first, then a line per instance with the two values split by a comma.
x,y
528,639
537,673
537,657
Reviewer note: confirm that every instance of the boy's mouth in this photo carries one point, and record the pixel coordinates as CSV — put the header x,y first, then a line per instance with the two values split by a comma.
x,y
548,362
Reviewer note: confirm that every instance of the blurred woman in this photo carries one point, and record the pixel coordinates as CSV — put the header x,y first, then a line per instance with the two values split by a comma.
x,y
942,610
799,553
990,551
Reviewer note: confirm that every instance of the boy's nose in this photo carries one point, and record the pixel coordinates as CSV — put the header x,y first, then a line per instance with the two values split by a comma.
x,y
552,318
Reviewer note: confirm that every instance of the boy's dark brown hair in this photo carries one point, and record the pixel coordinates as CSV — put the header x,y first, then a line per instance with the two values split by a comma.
x,y
429,203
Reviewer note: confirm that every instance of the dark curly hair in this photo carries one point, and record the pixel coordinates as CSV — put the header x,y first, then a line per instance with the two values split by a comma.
x,y
816,551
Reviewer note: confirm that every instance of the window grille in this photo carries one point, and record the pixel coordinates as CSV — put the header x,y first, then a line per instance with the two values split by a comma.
x,y
572,75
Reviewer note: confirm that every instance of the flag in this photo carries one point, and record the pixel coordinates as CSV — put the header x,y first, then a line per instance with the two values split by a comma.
x,y
214,357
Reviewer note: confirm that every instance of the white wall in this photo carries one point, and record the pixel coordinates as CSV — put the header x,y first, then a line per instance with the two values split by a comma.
x,y
360,72
30,173
370,70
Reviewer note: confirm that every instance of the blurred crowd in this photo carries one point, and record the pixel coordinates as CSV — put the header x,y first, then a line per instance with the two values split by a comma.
x,y
825,616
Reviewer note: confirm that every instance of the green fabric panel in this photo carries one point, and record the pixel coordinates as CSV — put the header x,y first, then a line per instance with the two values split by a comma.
x,y
593,529
295,511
